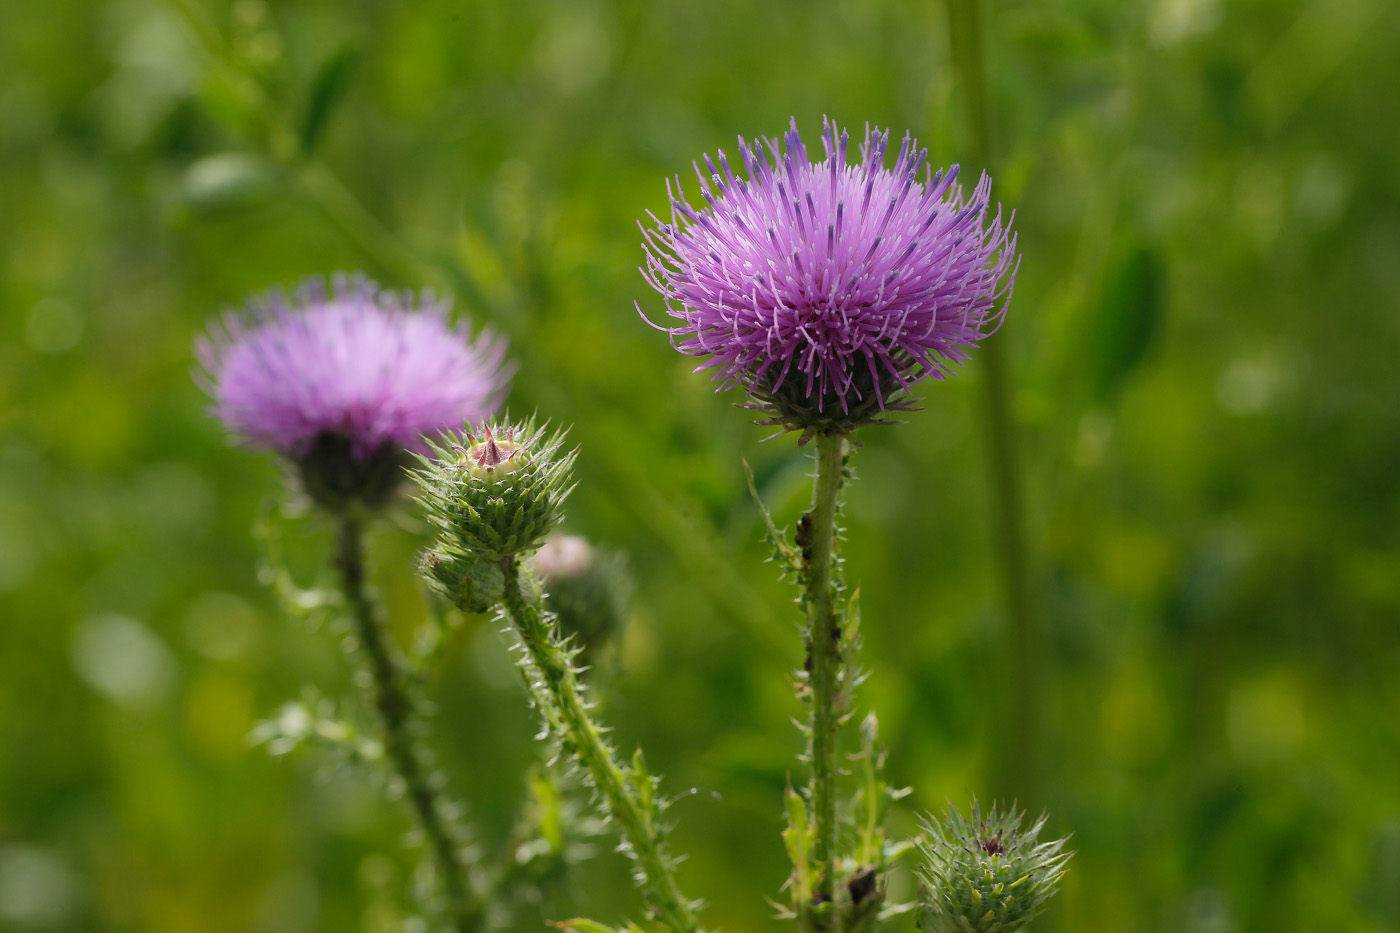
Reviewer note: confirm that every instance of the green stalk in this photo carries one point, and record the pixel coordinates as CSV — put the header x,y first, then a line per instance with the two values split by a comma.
x,y
817,538
965,28
559,695
398,715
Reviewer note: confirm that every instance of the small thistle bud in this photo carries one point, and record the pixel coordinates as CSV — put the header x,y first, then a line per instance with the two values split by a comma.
x,y
586,587
985,874
467,582
497,492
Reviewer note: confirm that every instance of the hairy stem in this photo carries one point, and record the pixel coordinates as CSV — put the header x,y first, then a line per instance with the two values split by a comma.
x,y
817,537
397,717
559,695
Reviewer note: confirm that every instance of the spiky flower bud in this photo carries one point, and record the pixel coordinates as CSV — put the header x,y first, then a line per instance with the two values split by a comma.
x,y
985,874
586,587
464,580
494,493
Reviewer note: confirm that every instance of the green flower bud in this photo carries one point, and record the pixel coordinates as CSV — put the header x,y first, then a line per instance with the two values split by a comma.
x,y
985,874
466,581
498,494
586,587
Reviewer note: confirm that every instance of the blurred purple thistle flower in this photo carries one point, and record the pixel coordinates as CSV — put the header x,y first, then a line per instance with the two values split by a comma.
x,y
828,289
347,380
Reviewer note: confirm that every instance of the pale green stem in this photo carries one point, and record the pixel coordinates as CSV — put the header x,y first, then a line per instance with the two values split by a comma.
x,y
559,695
397,715
817,537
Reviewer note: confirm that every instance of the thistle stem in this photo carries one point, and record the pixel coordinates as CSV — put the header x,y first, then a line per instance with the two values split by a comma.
x,y
559,695
397,716
818,540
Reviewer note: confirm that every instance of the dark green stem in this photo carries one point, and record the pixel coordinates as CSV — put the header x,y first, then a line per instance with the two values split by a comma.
x,y
817,537
1018,769
559,695
397,717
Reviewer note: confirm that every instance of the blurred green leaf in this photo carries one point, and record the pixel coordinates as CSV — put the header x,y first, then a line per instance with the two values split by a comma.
x,y
229,181
583,925
798,839
328,89
1127,321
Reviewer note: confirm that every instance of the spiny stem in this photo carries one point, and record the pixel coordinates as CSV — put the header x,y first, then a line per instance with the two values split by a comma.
x,y
397,715
559,695
824,654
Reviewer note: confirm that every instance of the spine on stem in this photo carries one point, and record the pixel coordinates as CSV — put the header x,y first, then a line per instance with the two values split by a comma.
x,y
398,717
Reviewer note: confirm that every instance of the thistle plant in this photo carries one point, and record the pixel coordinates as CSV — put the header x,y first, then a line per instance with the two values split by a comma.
x,y
343,384
827,290
495,495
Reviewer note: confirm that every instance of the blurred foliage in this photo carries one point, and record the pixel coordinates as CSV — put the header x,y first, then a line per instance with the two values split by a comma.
x,y
1203,335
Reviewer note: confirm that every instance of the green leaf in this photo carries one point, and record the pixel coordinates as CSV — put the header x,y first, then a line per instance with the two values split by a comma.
x,y
870,811
798,839
328,89
583,925
642,779
545,795
850,629
1127,322
785,553
229,181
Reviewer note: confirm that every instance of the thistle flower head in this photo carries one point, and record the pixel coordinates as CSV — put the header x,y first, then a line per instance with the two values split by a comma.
x,y
343,382
495,491
985,874
827,289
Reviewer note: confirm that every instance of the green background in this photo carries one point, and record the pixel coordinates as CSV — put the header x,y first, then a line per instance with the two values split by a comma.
x,y
1202,346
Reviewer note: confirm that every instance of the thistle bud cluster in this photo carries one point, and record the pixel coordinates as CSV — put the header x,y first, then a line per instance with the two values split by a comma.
x,y
493,493
985,874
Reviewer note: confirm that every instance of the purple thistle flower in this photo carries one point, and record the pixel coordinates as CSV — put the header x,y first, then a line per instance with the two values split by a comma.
x,y
344,383
828,289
